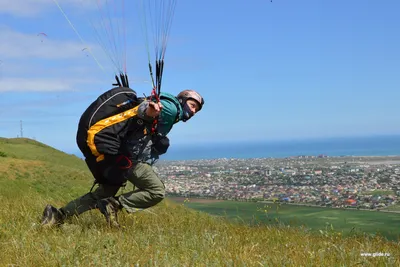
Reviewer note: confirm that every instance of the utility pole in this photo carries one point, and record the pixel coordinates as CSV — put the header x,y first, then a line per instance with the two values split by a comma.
x,y
22,132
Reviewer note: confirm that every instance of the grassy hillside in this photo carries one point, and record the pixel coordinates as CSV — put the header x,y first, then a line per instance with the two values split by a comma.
x,y
33,174
27,149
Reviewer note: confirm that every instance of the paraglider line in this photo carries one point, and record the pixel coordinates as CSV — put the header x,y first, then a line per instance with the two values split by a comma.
x,y
77,33
124,32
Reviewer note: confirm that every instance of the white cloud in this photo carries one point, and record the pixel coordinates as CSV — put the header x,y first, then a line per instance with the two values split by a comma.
x,y
38,85
32,63
31,8
15,44
23,7
69,83
41,84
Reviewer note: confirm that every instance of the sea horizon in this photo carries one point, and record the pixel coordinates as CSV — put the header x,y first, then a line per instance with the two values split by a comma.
x,y
344,146
331,147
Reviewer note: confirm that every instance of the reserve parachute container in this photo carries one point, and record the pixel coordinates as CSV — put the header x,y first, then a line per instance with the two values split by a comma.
x,y
105,122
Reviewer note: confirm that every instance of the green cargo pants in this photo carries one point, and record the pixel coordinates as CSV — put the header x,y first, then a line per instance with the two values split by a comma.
x,y
149,191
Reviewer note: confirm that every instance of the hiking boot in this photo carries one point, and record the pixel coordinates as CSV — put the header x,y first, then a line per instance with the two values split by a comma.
x,y
52,216
109,207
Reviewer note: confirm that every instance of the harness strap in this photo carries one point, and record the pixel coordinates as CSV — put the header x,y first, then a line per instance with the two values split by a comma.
x,y
94,183
154,94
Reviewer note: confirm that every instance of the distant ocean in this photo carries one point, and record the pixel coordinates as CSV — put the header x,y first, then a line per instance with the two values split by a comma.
x,y
352,146
360,146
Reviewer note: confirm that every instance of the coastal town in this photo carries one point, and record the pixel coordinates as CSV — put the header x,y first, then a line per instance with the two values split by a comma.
x,y
338,182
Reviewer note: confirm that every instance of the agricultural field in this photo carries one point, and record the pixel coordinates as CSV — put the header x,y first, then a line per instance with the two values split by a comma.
x,y
347,222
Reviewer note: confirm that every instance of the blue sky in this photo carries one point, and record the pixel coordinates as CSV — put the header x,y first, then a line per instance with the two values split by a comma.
x,y
280,70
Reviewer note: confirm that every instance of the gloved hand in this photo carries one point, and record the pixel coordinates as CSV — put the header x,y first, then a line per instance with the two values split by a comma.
x,y
153,109
160,145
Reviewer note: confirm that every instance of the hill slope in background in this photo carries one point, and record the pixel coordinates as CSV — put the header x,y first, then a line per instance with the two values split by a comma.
x,y
28,149
33,174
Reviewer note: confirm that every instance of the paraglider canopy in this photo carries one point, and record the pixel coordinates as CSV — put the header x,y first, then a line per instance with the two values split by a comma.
x,y
42,35
85,50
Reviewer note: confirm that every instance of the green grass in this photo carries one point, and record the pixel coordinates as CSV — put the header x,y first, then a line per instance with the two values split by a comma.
x,y
395,207
23,148
169,235
347,222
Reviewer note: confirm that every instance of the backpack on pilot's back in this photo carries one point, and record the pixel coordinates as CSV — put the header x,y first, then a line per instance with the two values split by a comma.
x,y
105,122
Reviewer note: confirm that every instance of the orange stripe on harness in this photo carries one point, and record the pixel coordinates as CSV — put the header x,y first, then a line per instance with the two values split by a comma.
x,y
107,122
